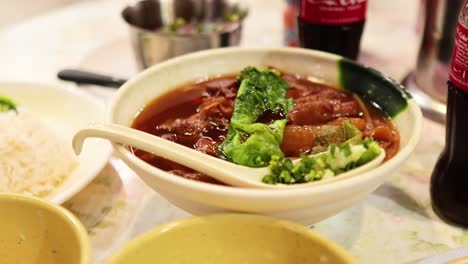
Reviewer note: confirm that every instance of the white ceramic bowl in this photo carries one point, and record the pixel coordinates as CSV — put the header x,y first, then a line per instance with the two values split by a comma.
x,y
308,205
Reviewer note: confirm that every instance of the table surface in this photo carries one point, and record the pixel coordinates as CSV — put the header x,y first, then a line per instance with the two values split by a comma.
x,y
395,224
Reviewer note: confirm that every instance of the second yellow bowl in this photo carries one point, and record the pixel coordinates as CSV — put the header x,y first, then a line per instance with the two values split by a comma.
x,y
231,239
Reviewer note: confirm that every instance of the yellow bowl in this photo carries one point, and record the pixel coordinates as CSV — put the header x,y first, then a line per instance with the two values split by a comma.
x,y
34,231
231,238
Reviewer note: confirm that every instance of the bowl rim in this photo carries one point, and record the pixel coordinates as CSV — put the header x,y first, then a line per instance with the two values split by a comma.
x,y
299,229
76,226
233,192
175,35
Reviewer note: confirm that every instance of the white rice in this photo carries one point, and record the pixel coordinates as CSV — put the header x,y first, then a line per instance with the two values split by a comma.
x,y
34,158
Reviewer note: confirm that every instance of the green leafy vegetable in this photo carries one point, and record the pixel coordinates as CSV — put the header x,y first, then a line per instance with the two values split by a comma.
x,y
249,142
351,132
352,153
327,136
176,25
235,13
230,19
6,104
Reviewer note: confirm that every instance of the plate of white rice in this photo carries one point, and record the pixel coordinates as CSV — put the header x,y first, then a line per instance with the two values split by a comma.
x,y
36,155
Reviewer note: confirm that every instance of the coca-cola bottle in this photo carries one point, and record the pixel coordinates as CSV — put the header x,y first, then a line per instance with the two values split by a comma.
x,y
332,25
449,182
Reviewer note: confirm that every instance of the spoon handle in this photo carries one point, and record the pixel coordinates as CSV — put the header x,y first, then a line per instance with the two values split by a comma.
x,y
219,169
84,77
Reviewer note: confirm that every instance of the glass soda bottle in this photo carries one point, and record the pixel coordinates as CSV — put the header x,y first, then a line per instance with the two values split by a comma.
x,y
332,25
449,182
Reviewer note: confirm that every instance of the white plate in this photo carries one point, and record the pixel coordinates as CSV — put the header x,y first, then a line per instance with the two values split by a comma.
x,y
68,110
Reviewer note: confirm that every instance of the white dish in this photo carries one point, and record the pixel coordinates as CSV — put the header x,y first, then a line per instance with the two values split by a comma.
x,y
68,110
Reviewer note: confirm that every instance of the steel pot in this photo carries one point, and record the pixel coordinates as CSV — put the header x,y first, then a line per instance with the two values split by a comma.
x,y
151,45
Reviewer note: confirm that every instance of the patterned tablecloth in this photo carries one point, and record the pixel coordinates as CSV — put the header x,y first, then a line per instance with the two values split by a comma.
x,y
395,224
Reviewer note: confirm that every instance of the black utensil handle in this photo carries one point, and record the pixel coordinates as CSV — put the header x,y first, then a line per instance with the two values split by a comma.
x,y
84,77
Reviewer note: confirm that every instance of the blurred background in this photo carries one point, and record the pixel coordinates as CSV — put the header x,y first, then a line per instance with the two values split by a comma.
x,y
38,38
16,11
388,22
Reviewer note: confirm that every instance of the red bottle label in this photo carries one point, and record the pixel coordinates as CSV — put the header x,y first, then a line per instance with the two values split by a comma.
x,y
459,66
333,12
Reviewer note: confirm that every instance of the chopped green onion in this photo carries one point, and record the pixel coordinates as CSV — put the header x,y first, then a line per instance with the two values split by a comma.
x,y
335,160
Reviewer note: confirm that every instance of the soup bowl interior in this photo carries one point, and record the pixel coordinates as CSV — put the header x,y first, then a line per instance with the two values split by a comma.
x,y
34,231
307,205
207,240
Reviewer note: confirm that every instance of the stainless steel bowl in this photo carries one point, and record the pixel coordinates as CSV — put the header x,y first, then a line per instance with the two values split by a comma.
x,y
152,44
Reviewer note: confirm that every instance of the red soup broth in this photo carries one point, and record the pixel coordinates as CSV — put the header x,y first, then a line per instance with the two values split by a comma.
x,y
197,115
